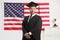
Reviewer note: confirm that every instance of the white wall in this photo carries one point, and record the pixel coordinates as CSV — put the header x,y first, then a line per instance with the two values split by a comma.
x,y
55,11
17,35
52,33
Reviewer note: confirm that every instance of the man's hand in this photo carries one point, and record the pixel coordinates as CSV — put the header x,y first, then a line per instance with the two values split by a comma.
x,y
27,35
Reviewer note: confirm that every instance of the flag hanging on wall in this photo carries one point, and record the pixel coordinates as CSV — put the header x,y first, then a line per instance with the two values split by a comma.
x,y
14,14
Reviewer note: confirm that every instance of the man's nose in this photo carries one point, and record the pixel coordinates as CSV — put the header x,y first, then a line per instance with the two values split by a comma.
x,y
32,10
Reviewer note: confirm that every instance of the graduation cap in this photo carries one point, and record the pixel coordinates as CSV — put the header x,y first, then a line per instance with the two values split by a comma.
x,y
32,4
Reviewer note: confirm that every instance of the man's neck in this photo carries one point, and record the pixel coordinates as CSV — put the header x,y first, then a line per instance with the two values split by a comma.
x,y
33,14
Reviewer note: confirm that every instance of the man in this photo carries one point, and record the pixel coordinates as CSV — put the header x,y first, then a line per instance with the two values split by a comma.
x,y
32,24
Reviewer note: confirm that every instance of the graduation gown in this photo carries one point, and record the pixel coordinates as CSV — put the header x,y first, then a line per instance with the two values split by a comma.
x,y
34,26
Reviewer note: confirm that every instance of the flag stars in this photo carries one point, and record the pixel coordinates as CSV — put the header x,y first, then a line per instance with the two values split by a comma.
x,y
5,4
9,4
15,5
14,9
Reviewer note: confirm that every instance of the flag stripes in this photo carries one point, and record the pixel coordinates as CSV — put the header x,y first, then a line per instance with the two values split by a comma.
x,y
15,23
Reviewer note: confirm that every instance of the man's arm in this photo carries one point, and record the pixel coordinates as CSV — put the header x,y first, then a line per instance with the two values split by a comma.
x,y
24,26
25,33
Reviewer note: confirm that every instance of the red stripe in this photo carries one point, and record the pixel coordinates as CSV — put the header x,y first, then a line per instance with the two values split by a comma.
x,y
21,24
44,16
39,3
12,24
16,28
45,20
45,24
12,28
37,12
37,8
43,29
21,20
12,20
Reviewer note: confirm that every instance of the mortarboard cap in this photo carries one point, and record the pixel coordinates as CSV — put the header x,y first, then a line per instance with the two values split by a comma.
x,y
32,4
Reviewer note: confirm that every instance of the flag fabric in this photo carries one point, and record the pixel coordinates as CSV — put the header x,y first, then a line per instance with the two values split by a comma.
x,y
14,14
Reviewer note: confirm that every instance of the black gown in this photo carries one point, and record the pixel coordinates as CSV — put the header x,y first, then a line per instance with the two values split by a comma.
x,y
34,26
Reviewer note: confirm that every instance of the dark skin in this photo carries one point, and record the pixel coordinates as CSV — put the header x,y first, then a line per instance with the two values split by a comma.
x,y
32,11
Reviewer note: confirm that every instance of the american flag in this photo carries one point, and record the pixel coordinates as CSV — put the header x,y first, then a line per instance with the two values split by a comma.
x,y
14,14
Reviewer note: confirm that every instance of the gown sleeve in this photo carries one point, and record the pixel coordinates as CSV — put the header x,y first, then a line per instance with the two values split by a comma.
x,y
24,26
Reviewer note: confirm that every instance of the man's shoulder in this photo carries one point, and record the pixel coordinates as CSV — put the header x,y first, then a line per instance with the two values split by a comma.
x,y
26,16
38,16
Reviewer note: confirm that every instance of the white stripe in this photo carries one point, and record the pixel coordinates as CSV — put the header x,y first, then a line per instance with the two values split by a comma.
x,y
45,18
21,22
46,10
38,14
12,25
23,19
20,26
44,14
45,22
45,6
45,26
12,22
13,18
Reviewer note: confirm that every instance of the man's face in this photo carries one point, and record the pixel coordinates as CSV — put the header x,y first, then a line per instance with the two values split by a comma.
x,y
32,9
